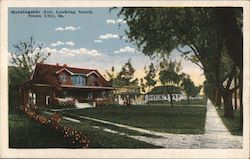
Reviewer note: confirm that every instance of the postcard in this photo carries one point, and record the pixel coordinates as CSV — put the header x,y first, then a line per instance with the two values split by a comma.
x,y
129,79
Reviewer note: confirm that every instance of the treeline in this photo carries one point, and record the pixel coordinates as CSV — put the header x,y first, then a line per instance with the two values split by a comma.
x,y
210,37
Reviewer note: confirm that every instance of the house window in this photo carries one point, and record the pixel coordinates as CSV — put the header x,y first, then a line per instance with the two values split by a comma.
x,y
78,80
32,98
63,78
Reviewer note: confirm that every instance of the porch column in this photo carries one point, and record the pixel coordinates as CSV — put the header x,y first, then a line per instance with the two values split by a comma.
x,y
25,95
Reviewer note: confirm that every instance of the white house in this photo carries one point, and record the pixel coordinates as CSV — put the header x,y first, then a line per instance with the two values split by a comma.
x,y
162,93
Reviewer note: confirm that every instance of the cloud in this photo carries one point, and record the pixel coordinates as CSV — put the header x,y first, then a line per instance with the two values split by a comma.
x,y
59,29
109,36
110,21
73,52
126,49
68,28
58,43
121,21
72,28
98,41
118,21
70,43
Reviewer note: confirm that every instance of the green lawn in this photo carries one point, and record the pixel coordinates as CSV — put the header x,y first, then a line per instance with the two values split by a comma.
x,y
195,102
26,133
181,120
101,139
231,124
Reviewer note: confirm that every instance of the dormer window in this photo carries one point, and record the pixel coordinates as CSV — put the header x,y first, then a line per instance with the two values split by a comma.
x,y
79,80
63,78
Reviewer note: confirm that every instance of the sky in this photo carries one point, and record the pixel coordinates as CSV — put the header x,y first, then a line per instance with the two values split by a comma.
x,y
91,38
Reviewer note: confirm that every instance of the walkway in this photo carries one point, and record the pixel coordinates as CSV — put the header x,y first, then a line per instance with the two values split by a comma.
x,y
216,134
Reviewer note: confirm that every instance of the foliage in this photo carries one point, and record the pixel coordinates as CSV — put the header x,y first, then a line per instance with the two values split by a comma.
x,y
27,133
169,75
195,32
111,75
142,85
28,54
15,76
189,87
76,138
150,76
67,102
125,77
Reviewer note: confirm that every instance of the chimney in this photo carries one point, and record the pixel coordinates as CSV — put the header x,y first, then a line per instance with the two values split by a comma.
x,y
57,64
64,65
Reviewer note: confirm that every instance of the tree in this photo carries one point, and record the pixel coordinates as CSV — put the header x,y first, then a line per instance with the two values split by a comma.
x,y
150,76
125,77
15,76
111,75
230,22
143,85
195,29
190,89
28,54
169,76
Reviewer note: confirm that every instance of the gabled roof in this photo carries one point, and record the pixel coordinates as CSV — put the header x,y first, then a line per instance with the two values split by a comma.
x,y
64,69
49,73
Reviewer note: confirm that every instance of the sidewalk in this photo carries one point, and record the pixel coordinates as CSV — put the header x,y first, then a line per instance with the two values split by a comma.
x,y
216,134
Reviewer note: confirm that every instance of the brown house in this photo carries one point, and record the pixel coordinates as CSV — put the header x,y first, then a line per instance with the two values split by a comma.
x,y
51,82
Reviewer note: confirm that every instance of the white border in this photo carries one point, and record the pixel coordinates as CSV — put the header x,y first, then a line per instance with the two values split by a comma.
x,y
117,153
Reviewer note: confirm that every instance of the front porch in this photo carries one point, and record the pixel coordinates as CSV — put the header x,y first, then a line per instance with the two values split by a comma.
x,y
42,95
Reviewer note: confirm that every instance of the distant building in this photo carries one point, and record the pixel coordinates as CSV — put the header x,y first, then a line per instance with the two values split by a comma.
x,y
128,95
162,93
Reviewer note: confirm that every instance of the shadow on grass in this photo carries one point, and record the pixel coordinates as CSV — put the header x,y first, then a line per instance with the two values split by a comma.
x,y
233,125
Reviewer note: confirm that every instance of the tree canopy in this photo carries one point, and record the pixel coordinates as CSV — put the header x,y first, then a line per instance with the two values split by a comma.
x,y
123,78
197,33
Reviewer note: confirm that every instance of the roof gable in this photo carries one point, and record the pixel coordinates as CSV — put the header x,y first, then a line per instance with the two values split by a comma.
x,y
50,73
64,69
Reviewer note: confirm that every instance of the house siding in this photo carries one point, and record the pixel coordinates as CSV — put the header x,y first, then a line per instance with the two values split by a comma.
x,y
68,78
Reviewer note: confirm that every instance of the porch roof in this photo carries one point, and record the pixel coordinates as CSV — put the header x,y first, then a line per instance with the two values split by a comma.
x,y
86,87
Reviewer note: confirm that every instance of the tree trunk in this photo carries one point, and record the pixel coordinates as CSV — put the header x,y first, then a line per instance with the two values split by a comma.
x,y
188,98
228,108
231,33
214,96
218,99
171,100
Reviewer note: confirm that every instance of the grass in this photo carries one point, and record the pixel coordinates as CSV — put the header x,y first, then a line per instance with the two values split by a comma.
x,y
180,120
231,124
26,133
115,128
183,102
101,139
59,107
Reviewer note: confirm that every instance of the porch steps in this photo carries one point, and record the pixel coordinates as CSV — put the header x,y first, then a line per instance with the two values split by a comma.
x,y
83,105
